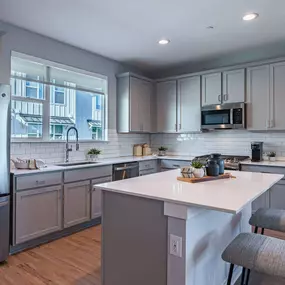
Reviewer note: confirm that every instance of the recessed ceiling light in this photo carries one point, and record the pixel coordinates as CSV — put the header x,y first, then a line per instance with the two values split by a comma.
x,y
249,17
210,27
164,41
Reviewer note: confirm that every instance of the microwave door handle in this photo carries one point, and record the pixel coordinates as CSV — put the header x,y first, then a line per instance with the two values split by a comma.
x,y
231,116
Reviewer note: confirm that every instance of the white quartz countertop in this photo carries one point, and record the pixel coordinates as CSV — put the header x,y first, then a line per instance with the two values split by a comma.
x,y
102,162
228,195
277,163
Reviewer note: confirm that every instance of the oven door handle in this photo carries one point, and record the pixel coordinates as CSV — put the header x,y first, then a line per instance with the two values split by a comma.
x,y
125,168
231,116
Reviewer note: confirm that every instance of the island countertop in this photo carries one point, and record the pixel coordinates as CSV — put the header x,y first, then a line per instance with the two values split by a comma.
x,y
227,195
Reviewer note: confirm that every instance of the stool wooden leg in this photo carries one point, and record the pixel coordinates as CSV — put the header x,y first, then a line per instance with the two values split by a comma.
x,y
230,274
242,276
256,230
247,277
262,231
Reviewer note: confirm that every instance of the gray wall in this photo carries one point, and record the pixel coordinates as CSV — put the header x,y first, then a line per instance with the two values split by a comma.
x,y
23,41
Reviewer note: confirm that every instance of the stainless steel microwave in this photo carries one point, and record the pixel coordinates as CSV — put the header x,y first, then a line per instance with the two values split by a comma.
x,y
226,116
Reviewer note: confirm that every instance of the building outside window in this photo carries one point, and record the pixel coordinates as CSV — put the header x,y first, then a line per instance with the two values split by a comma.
x,y
47,100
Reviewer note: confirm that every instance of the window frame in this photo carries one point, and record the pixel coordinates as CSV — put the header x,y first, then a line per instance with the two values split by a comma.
x,y
47,102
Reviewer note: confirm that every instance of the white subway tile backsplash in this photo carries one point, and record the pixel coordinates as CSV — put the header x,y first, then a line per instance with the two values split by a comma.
x,y
237,142
118,145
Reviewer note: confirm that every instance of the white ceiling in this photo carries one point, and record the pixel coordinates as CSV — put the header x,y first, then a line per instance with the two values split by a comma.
x,y
128,30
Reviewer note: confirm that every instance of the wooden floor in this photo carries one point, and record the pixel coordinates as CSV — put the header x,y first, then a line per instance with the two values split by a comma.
x,y
74,260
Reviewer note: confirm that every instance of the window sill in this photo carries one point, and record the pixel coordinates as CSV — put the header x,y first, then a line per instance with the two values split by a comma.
x,y
54,141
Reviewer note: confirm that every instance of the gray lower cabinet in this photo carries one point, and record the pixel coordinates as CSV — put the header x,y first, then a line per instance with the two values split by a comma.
x,y
96,207
262,201
76,203
38,212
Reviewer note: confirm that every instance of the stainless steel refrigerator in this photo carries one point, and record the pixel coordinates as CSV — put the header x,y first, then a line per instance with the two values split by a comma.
x,y
5,119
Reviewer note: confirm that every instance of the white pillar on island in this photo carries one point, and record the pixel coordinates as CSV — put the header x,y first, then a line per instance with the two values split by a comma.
x,y
205,234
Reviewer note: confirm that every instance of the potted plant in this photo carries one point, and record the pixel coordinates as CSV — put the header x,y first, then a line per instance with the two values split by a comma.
x,y
162,150
93,153
271,155
198,169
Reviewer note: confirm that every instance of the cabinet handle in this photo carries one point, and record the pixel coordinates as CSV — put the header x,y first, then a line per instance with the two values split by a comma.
x,y
267,124
179,126
175,127
40,182
220,98
226,96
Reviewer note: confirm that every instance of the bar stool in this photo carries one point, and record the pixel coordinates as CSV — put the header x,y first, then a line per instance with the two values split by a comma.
x,y
261,254
271,219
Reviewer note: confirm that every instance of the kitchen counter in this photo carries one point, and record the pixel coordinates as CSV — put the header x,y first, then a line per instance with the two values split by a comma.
x,y
102,162
228,195
277,163
144,216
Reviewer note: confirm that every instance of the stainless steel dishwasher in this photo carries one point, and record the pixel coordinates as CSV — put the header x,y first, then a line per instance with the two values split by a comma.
x,y
125,170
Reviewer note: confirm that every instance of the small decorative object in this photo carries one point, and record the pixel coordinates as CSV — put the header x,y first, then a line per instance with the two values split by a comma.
x,y
217,158
213,168
162,151
199,169
93,153
271,156
187,171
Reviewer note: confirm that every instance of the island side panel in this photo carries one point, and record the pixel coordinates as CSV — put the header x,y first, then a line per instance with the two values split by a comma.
x,y
205,235
134,240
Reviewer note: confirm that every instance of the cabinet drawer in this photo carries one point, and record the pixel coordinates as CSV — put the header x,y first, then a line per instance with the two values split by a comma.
x,y
87,173
172,164
147,172
263,169
38,180
149,164
102,180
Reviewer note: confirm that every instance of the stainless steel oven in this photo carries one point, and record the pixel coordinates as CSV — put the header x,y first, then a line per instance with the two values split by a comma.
x,y
125,170
226,116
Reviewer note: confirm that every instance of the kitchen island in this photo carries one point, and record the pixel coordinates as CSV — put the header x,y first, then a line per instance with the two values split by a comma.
x,y
160,231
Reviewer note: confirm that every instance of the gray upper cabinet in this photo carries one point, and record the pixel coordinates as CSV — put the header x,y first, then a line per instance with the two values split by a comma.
x,y
166,106
234,86
212,89
76,203
258,95
38,212
135,97
189,104
277,96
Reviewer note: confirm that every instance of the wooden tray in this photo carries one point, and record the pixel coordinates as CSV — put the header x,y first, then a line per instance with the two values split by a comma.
x,y
205,178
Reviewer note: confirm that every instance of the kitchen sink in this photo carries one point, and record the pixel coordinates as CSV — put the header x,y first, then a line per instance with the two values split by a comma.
x,y
67,164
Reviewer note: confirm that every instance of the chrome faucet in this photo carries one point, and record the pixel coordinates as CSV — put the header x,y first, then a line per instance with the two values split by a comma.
x,y
67,148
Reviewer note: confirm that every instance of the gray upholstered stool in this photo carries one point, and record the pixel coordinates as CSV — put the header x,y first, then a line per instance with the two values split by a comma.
x,y
271,219
262,254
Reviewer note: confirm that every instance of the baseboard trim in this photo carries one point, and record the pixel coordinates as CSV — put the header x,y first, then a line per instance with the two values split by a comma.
x,y
54,236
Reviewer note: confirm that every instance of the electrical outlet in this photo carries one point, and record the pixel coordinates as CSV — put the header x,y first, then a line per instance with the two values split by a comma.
x,y
175,245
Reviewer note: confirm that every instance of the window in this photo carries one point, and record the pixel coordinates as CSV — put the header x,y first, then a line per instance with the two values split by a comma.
x,y
47,99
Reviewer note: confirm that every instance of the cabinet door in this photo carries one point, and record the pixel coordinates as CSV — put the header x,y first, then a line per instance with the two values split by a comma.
x,y
258,89
234,86
277,195
96,200
38,212
145,105
212,89
135,94
76,203
141,92
277,98
189,101
166,106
